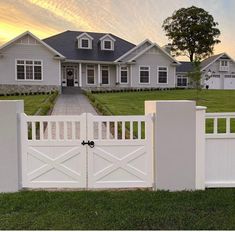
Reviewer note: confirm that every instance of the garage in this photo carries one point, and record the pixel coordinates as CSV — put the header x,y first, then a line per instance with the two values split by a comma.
x,y
229,81
214,82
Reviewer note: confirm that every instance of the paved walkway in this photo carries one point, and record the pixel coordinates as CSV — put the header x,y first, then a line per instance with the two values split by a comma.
x,y
72,104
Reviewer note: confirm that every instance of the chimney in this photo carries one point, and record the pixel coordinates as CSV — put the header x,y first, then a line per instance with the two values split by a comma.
x,y
167,48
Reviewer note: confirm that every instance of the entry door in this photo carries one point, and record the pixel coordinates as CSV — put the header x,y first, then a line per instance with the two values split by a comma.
x,y
70,76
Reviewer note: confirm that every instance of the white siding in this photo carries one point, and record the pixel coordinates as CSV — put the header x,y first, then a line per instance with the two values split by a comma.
x,y
153,58
51,67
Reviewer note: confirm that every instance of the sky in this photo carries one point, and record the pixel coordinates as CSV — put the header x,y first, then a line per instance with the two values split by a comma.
x,y
133,20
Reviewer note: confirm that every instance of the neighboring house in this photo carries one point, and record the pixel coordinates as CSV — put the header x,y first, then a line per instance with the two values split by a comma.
x,y
90,60
83,59
218,72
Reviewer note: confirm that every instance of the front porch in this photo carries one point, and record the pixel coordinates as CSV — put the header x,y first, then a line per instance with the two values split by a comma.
x,y
94,76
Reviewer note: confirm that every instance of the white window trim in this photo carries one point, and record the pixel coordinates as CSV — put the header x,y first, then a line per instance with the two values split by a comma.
x,y
180,76
166,76
108,75
89,43
120,75
107,49
87,75
28,80
144,66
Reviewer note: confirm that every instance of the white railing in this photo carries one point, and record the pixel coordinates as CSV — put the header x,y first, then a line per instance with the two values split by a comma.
x,y
224,68
56,128
220,124
119,127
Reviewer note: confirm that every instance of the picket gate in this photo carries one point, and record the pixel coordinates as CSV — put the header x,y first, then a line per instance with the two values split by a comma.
x,y
87,151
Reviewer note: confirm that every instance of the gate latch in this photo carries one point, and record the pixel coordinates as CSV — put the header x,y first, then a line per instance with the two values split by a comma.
x,y
91,144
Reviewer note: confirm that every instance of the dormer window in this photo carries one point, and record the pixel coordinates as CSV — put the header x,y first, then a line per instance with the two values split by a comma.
x,y
107,42
84,41
107,45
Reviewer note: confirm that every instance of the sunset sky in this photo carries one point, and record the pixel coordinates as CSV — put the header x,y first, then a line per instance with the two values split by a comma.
x,y
134,20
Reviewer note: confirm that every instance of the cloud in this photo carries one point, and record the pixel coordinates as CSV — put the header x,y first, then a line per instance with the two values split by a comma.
x,y
133,20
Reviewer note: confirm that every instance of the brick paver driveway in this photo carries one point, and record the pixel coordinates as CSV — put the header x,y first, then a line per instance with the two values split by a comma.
x,y
73,104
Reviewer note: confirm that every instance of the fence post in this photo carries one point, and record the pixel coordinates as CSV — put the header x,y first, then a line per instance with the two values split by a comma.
x,y
175,144
10,144
200,147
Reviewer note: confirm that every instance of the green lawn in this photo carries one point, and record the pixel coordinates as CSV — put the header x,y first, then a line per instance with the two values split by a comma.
x,y
211,209
34,102
131,103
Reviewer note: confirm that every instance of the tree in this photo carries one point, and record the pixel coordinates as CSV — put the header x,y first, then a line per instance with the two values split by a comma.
x,y
192,32
195,77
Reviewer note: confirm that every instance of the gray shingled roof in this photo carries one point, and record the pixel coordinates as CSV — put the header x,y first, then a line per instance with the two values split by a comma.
x,y
66,44
208,60
184,67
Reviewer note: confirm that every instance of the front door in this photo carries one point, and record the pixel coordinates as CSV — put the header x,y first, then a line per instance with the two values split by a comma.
x,y
70,76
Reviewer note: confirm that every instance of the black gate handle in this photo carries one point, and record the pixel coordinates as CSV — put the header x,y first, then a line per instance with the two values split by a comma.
x,y
91,144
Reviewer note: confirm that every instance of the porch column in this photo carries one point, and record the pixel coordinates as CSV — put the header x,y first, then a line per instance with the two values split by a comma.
x,y
117,73
130,76
80,74
99,77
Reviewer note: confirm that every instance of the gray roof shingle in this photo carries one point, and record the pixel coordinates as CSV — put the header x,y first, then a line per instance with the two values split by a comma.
x,y
208,60
66,44
184,67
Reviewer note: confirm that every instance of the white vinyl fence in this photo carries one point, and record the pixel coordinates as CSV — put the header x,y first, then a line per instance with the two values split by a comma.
x,y
220,150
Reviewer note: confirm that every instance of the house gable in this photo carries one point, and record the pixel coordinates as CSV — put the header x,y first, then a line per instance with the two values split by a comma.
x,y
27,38
154,49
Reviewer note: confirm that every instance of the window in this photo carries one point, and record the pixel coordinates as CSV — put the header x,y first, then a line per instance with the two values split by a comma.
x,y
227,76
107,45
182,81
162,75
84,43
224,63
144,75
105,75
28,70
90,75
216,75
124,75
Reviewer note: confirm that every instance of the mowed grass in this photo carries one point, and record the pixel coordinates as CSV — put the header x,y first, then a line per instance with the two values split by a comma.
x,y
132,210
32,103
132,103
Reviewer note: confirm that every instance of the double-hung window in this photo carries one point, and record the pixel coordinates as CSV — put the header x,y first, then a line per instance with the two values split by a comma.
x,y
144,74
182,81
104,75
124,75
162,75
29,70
85,43
90,74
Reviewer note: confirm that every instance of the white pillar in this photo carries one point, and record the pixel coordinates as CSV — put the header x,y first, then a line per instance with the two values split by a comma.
x,y
200,147
175,144
117,73
99,77
80,74
10,170
130,76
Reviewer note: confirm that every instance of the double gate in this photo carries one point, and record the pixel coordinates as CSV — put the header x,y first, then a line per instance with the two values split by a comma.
x,y
86,151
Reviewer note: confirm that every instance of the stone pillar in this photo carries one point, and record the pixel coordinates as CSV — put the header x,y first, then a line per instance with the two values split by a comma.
x,y
174,144
10,170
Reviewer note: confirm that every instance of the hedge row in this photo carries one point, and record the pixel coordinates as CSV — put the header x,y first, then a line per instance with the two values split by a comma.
x,y
133,90
27,93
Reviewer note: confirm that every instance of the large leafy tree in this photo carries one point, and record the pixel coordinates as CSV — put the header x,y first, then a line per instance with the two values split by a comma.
x,y
192,32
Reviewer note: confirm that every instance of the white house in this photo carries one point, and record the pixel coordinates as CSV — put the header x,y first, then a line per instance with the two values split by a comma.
x,y
83,59
88,60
